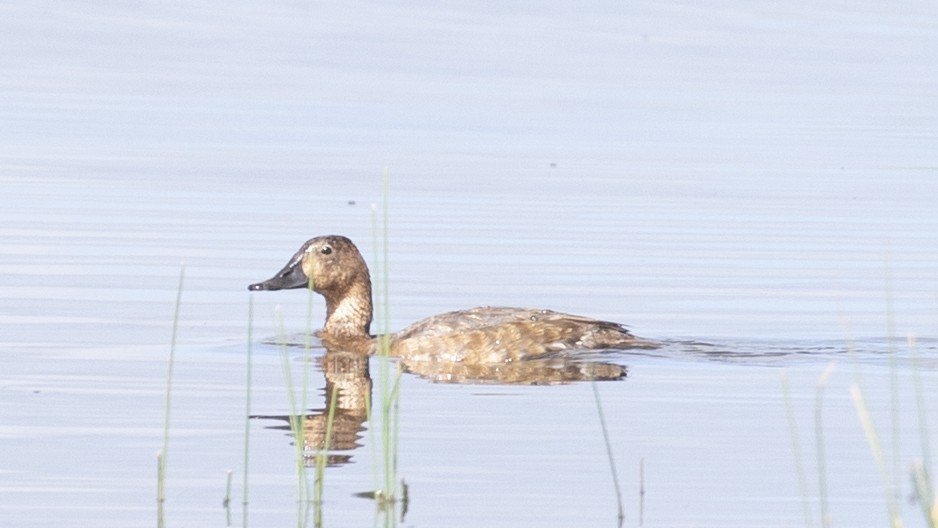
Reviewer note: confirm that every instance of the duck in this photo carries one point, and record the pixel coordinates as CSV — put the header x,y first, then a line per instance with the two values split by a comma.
x,y
333,267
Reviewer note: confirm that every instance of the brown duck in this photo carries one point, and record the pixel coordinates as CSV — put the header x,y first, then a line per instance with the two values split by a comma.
x,y
333,267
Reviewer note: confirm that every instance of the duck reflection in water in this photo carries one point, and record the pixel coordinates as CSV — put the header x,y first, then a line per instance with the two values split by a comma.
x,y
346,373
471,344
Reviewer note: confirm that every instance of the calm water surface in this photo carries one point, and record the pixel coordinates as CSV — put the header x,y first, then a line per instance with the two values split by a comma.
x,y
755,186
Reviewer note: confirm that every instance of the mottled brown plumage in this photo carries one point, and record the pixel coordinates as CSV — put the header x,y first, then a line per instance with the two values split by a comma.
x,y
333,267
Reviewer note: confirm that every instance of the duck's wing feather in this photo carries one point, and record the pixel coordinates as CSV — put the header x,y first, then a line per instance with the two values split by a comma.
x,y
501,334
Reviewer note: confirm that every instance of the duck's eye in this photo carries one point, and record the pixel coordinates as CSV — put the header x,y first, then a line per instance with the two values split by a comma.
x,y
326,250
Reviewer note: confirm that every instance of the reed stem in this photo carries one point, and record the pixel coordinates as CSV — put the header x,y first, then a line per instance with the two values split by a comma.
x,y
162,455
819,439
876,449
609,455
247,412
796,449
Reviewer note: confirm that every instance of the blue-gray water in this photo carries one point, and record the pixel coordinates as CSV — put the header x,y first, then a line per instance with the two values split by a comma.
x,y
759,179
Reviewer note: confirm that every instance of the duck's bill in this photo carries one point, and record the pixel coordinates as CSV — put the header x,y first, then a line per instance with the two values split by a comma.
x,y
291,276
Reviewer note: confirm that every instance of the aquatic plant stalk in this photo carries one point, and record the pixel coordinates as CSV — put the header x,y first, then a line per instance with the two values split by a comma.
x,y
159,488
920,400
322,459
247,412
161,456
226,502
322,455
928,502
380,349
876,449
296,428
388,386
641,492
394,398
923,488
819,439
386,256
612,462
796,449
307,345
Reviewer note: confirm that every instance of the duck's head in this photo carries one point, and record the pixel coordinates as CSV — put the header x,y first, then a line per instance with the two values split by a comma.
x,y
330,265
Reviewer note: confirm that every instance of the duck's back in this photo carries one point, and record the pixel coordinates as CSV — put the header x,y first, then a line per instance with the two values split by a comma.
x,y
502,334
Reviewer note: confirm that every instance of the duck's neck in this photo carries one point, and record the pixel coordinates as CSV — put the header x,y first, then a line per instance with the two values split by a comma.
x,y
350,315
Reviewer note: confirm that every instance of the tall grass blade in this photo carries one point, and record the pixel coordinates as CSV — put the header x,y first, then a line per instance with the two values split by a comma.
x,y
159,489
385,270
819,438
641,491
928,502
322,455
920,400
297,428
796,449
609,455
247,412
226,502
872,438
923,486
161,457
386,492
322,459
